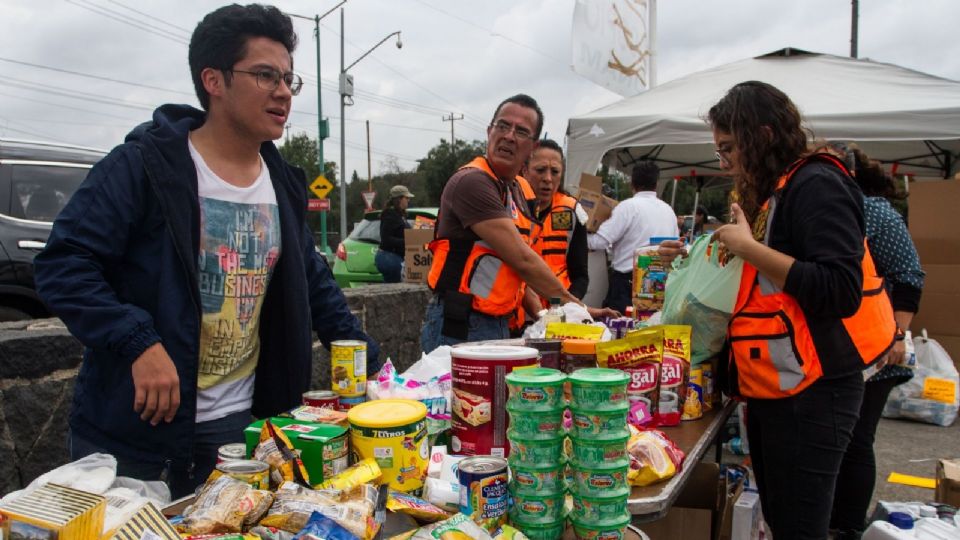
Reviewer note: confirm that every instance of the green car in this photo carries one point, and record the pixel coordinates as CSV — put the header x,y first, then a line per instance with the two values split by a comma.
x,y
353,266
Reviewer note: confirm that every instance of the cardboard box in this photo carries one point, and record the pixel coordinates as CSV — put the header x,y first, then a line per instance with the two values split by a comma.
x,y
747,517
594,202
948,482
323,448
693,511
417,258
937,239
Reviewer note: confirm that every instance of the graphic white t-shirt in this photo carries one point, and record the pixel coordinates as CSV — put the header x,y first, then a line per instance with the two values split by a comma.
x,y
239,247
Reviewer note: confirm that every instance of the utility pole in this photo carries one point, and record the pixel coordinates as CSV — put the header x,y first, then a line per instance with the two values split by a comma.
x,y
369,177
452,118
854,24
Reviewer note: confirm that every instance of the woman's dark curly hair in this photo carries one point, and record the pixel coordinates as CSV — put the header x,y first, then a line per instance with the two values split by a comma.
x,y
769,136
872,179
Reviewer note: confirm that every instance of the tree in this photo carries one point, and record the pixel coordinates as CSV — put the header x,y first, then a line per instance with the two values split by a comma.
x,y
442,161
301,151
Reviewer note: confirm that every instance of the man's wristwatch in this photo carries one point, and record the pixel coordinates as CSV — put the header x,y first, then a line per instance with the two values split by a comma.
x,y
899,336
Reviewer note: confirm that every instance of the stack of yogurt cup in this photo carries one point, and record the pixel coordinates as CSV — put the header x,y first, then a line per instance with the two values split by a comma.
x,y
536,436
599,460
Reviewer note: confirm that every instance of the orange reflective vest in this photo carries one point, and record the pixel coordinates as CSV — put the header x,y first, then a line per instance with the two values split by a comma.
x,y
555,235
770,341
472,267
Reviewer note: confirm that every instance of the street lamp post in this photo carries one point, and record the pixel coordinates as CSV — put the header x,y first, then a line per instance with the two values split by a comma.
x,y
323,126
346,90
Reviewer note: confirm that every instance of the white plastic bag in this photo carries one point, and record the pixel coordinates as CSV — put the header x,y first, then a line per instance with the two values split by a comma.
x,y
94,474
428,381
933,394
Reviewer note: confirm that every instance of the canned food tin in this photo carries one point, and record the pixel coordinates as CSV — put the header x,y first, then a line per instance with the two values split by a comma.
x,y
249,471
479,420
231,452
483,490
345,403
348,364
321,398
394,433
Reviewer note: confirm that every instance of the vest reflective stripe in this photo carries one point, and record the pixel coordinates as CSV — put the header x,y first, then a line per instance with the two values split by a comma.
x,y
769,338
472,267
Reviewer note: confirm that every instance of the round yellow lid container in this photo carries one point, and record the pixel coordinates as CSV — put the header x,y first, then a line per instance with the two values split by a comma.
x,y
387,413
394,433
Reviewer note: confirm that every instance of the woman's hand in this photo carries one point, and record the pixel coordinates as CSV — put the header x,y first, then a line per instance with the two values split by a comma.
x,y
670,250
737,237
599,313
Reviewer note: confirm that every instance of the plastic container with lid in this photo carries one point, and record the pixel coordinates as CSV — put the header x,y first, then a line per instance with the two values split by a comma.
x,y
535,389
578,354
394,433
599,389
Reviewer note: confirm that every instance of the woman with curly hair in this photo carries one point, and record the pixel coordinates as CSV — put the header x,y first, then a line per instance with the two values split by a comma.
x,y
806,320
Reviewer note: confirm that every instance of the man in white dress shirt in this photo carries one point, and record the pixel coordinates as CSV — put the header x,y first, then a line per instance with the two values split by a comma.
x,y
633,223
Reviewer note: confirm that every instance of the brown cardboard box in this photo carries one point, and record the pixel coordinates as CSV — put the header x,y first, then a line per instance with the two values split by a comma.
x,y
597,205
416,258
948,481
692,512
932,205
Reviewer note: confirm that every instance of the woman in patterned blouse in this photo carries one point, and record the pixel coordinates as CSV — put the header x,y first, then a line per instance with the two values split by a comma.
x,y
896,261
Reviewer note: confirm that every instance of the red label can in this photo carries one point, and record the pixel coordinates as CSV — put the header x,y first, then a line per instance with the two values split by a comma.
x,y
479,418
321,398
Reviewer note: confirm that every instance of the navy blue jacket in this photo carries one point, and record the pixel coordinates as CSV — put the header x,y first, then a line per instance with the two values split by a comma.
x,y
120,270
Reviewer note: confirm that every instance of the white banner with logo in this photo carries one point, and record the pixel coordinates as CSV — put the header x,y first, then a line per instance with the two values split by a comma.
x,y
612,43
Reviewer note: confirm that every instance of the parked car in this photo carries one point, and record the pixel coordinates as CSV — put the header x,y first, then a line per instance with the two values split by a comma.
x,y
354,263
36,181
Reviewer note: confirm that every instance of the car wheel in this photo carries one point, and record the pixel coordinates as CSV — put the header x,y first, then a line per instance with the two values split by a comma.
x,y
8,314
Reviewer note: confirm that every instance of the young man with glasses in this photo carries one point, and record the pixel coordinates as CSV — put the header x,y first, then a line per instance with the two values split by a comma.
x,y
485,228
185,266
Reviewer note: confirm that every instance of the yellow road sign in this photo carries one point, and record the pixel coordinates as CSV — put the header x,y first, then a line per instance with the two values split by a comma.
x,y
321,187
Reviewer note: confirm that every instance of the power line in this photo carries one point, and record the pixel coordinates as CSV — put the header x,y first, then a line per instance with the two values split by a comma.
x,y
119,17
452,119
89,76
159,20
66,107
73,94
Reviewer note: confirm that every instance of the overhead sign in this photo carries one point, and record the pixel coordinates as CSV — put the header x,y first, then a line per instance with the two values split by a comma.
x,y
318,205
368,197
321,187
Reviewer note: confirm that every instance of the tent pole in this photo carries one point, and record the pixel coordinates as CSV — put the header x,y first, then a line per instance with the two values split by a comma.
x,y
673,195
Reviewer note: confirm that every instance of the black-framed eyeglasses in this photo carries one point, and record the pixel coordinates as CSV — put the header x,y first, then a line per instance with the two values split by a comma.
x,y
269,79
504,128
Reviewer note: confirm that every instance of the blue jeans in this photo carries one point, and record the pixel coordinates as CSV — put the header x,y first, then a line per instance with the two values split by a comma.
x,y
390,265
183,481
481,327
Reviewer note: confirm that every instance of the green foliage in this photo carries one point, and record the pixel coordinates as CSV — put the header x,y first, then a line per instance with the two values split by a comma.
x,y
441,162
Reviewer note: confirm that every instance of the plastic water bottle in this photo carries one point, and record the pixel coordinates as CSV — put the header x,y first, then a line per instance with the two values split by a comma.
x,y
555,312
735,446
910,352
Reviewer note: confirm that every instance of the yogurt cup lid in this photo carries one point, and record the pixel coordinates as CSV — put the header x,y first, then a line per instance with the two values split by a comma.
x,y
536,377
599,376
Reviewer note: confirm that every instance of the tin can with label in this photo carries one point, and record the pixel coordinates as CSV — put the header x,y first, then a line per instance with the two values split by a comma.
x,y
232,452
345,403
249,471
321,398
483,490
348,362
479,421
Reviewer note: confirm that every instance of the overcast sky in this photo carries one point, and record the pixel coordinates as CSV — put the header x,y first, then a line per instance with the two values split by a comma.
x,y
458,56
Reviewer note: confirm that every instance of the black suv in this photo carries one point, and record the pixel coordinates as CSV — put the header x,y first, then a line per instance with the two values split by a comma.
x,y
36,181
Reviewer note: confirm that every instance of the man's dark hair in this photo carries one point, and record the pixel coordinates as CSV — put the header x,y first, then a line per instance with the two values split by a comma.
x,y
524,101
644,176
220,40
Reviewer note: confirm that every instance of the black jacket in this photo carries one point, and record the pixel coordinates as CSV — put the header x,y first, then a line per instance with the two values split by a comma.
x,y
392,224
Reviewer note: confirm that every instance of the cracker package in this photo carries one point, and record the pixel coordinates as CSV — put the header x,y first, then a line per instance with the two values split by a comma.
x,y
565,330
674,373
294,504
639,354
276,450
419,509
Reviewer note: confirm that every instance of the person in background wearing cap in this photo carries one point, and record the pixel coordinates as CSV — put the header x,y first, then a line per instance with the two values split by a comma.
x,y
393,221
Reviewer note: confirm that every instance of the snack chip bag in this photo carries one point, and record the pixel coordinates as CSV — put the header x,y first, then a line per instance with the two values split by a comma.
x,y
419,509
364,472
693,404
674,373
458,527
277,451
653,458
320,527
294,504
639,354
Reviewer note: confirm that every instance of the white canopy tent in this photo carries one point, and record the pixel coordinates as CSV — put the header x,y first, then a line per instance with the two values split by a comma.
x,y
895,114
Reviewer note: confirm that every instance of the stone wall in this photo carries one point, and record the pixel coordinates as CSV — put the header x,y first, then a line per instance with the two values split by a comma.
x,y
39,361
